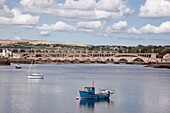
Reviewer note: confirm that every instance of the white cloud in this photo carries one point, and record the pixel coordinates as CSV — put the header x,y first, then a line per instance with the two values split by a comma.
x,y
80,4
133,30
155,8
117,27
58,26
17,38
36,3
17,18
117,8
79,9
90,24
4,10
86,30
163,28
37,6
45,33
109,5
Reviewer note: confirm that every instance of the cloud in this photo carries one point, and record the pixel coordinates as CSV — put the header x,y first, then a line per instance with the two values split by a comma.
x,y
133,30
155,8
37,6
90,24
45,33
17,18
117,27
131,38
5,11
79,4
17,38
151,29
2,2
118,8
163,28
86,30
36,3
79,9
58,26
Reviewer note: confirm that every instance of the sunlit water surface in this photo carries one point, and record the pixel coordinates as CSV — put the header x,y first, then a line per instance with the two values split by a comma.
x,y
138,89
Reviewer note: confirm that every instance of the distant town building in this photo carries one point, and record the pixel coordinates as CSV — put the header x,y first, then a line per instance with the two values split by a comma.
x,y
5,53
166,57
115,49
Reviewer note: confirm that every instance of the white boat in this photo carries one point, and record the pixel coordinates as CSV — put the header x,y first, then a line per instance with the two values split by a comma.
x,y
18,66
33,73
35,76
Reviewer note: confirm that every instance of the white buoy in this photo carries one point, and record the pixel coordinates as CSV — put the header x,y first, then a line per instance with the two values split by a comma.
x,y
77,98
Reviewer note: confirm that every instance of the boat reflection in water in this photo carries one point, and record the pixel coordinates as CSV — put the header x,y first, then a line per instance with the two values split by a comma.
x,y
90,104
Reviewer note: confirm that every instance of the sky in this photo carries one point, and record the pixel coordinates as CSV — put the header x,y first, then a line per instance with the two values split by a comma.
x,y
93,22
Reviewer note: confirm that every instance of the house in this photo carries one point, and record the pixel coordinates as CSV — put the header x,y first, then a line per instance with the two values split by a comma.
x,y
166,57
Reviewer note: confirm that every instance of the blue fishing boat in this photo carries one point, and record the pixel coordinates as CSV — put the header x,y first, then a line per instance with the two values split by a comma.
x,y
89,93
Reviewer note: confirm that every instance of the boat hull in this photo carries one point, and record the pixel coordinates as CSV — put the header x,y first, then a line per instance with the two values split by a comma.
x,y
35,76
17,67
90,96
103,96
87,95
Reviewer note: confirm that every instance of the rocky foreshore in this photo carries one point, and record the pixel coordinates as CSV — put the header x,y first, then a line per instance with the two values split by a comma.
x,y
159,65
4,61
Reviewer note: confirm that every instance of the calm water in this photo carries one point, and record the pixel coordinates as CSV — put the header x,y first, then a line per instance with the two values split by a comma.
x,y
137,89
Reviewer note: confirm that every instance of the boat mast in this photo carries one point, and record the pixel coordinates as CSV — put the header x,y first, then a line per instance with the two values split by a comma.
x,y
30,67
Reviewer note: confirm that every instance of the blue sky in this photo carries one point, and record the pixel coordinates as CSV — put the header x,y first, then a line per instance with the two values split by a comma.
x,y
94,22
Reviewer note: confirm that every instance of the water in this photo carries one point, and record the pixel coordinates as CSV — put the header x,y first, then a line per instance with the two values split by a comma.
x,y
138,89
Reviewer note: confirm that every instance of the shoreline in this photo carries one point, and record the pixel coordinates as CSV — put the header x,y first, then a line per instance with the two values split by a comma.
x,y
8,62
159,65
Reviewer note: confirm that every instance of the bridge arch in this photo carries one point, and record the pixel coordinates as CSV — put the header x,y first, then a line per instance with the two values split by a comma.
x,y
123,60
138,60
15,51
83,52
22,51
110,60
31,51
87,61
1,50
38,51
45,51
38,55
52,51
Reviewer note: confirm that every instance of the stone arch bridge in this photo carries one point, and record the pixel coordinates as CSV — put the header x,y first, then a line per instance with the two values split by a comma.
x,y
82,55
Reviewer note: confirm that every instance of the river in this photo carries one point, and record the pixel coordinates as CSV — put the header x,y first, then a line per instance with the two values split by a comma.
x,y
138,89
